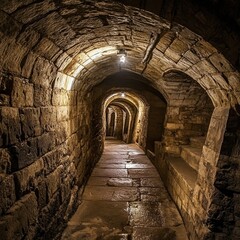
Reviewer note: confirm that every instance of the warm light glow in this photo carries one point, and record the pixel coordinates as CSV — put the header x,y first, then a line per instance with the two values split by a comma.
x,y
78,70
87,62
123,95
122,54
122,59
82,60
69,82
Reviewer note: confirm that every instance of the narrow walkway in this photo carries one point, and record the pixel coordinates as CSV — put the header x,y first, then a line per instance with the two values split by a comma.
x,y
125,199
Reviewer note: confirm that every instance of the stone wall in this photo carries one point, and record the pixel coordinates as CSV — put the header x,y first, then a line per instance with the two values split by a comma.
x,y
53,53
156,117
208,201
45,153
224,214
118,124
46,142
188,113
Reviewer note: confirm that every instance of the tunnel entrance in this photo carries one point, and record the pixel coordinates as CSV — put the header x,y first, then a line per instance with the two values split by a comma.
x,y
139,108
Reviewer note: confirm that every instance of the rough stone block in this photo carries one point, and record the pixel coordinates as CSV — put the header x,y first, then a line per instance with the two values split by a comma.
x,y
191,57
41,192
203,49
4,100
10,128
233,79
42,96
40,77
49,212
28,63
62,61
22,93
174,126
228,175
220,62
166,40
176,49
7,193
52,160
26,179
8,25
46,48
23,154
62,132
21,218
11,6
6,84
33,10
215,134
65,189
60,97
28,38
5,161
206,66
63,113
15,57
53,181
30,119
48,118
209,155
45,143
223,83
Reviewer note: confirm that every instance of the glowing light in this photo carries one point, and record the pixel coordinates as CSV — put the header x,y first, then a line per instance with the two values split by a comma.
x,y
97,55
87,62
122,54
78,70
122,94
122,59
69,82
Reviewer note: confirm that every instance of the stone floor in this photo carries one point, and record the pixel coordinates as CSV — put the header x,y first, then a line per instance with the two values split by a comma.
x,y
125,199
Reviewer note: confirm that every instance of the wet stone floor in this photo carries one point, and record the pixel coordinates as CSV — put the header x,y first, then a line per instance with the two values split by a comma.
x,y
125,199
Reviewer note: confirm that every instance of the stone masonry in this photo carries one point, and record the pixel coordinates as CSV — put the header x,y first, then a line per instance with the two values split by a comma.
x,y
54,56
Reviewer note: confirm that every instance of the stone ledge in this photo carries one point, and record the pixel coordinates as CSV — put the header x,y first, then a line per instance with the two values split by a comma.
x,y
183,171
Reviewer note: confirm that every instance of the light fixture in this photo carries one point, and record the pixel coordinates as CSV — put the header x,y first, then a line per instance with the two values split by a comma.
x,y
122,54
122,94
122,59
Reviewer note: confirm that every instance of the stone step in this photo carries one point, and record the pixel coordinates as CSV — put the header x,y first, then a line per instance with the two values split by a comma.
x,y
197,142
191,156
185,175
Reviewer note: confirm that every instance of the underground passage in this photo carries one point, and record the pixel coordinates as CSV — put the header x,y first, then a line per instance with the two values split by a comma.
x,y
120,120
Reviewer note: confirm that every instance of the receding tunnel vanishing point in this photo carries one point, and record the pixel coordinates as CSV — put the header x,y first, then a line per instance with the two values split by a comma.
x,y
163,75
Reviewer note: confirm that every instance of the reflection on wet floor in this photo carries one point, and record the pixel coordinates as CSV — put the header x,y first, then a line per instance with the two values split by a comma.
x,y
125,199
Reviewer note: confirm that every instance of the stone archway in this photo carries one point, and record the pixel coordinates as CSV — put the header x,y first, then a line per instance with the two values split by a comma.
x,y
53,55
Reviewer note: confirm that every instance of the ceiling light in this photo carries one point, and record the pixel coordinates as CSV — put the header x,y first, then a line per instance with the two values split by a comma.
x,y
122,59
122,54
122,94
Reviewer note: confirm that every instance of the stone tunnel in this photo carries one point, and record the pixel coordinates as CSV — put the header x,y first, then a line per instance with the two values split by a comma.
x,y
163,75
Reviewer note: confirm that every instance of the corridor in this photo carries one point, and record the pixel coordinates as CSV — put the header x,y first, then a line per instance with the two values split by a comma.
x,y
125,199
160,75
